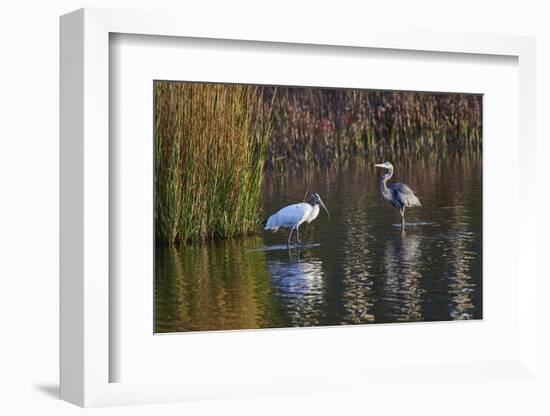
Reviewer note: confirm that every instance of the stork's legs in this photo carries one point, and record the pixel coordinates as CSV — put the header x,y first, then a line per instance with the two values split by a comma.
x,y
289,236
298,235
402,211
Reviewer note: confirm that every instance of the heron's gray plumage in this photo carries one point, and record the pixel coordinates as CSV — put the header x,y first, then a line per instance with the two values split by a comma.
x,y
403,196
398,194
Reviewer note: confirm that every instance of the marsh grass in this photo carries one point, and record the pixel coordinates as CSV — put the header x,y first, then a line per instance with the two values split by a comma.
x,y
320,126
210,144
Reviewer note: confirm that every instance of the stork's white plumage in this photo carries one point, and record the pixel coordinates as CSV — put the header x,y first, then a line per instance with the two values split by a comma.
x,y
292,216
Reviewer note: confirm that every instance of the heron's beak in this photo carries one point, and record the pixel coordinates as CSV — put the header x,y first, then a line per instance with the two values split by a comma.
x,y
380,165
324,207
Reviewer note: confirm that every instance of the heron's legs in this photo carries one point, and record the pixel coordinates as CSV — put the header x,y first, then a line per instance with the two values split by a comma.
x,y
402,211
289,236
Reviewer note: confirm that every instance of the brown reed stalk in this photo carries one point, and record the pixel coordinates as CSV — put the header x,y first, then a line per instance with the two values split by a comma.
x,y
318,126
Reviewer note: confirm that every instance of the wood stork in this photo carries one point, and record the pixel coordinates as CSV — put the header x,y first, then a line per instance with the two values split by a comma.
x,y
292,216
398,194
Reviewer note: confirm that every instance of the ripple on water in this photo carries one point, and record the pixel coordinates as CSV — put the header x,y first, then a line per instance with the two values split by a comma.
x,y
355,267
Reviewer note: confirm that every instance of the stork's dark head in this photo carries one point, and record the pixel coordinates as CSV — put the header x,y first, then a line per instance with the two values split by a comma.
x,y
316,200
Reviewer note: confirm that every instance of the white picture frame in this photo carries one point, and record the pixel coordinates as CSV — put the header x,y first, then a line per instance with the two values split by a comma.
x,y
85,165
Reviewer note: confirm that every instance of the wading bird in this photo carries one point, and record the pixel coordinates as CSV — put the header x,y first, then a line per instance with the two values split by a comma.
x,y
398,194
294,215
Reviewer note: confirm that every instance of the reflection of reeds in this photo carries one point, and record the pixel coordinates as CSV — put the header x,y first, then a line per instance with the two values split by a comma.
x,y
322,126
210,143
213,286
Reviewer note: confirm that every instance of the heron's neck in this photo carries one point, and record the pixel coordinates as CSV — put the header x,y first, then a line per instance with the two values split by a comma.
x,y
383,185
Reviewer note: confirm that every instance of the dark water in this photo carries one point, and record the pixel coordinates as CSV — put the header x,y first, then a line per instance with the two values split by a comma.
x,y
356,267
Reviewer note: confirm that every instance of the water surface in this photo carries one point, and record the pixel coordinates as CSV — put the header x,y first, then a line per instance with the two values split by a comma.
x,y
356,267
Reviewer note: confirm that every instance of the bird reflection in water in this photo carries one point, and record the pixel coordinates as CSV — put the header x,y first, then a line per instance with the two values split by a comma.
x,y
354,269
402,285
299,284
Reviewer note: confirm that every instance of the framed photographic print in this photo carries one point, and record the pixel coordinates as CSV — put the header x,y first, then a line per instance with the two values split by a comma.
x,y
278,213
233,161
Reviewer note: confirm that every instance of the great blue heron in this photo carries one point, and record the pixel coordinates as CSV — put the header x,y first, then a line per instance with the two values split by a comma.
x,y
292,216
398,194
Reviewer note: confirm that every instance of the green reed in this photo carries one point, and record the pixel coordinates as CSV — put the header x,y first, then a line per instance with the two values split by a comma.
x,y
210,147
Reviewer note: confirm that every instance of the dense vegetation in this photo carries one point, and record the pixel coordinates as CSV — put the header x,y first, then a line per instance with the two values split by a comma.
x,y
324,126
210,143
214,142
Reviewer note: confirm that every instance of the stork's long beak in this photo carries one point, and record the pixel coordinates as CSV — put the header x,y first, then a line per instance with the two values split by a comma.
x,y
380,165
324,207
